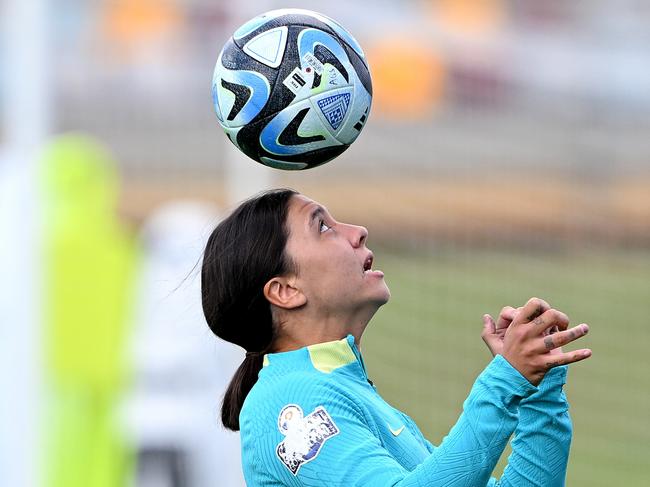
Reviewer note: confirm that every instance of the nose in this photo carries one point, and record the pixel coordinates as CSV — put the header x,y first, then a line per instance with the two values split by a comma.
x,y
357,235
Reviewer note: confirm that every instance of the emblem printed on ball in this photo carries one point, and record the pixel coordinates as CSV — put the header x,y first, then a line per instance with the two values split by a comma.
x,y
291,89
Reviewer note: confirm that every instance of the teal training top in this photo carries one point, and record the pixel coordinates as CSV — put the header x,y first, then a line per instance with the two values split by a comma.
x,y
314,419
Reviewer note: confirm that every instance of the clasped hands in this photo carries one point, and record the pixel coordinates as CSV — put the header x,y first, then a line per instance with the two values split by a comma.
x,y
531,338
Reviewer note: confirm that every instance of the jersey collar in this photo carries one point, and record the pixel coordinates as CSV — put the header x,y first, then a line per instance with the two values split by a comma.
x,y
325,357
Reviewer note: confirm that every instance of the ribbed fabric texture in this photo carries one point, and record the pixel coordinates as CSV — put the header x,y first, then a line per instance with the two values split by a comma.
x,y
313,419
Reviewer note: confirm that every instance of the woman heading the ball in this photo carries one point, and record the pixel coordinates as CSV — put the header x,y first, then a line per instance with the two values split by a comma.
x,y
296,289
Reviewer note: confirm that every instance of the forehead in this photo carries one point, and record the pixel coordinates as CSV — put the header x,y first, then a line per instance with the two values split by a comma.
x,y
301,212
301,206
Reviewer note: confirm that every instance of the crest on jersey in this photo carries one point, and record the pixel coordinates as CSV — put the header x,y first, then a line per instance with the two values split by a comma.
x,y
304,435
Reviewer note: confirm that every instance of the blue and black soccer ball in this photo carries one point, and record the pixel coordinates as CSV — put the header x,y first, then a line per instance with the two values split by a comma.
x,y
291,89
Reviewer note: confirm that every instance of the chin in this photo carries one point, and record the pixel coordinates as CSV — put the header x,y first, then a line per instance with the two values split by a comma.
x,y
384,297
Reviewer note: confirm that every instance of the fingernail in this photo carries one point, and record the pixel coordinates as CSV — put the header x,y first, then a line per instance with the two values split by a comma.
x,y
587,353
585,329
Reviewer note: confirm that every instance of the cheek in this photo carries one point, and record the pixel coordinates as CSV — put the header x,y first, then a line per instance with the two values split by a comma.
x,y
331,272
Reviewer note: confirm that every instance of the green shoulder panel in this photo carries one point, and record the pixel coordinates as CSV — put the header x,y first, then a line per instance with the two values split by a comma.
x,y
329,356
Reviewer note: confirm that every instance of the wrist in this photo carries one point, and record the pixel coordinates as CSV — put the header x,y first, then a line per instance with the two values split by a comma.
x,y
534,378
511,382
554,378
550,390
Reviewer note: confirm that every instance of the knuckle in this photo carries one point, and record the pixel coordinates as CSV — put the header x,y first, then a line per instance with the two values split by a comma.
x,y
539,302
536,302
549,343
535,307
558,317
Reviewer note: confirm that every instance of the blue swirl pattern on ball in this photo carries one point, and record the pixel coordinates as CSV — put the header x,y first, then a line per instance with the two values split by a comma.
x,y
243,104
308,39
292,89
288,133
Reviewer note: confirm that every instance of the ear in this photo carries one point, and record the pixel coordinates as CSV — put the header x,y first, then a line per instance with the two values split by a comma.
x,y
282,292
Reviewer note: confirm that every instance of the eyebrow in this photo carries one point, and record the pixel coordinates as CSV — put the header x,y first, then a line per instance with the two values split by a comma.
x,y
319,210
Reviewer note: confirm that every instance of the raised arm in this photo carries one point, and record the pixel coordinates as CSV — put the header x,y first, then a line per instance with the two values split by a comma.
x,y
540,447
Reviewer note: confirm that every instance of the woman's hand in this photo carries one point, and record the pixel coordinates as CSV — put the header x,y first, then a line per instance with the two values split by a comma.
x,y
493,333
531,338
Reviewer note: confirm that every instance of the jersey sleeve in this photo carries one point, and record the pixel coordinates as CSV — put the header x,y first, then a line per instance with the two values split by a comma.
x,y
540,447
345,450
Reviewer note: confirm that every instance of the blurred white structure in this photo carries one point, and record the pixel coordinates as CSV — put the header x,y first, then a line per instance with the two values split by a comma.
x,y
24,124
180,368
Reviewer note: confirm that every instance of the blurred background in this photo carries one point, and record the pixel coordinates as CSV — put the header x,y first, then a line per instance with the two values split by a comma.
x,y
506,155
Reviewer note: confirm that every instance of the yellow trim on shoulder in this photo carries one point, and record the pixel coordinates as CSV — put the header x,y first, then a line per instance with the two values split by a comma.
x,y
265,361
329,356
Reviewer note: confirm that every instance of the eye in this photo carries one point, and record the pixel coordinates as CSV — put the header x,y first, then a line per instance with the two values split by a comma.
x,y
322,226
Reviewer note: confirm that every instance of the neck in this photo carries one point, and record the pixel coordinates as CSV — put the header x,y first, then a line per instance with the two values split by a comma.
x,y
298,331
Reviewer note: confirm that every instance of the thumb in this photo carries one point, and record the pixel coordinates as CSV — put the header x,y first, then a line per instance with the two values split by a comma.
x,y
489,326
489,335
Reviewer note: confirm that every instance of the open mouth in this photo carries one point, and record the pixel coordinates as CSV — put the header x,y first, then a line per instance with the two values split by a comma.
x,y
367,265
368,271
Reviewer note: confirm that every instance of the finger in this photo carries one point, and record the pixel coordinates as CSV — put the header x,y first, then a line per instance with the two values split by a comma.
x,y
560,339
568,358
549,319
531,310
489,336
488,324
489,332
505,317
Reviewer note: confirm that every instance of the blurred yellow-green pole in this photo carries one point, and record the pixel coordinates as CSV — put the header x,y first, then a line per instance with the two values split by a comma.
x,y
89,264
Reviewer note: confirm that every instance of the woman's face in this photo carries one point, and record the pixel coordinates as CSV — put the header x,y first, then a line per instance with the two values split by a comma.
x,y
333,263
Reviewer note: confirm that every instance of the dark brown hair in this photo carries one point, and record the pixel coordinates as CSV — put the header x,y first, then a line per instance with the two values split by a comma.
x,y
243,253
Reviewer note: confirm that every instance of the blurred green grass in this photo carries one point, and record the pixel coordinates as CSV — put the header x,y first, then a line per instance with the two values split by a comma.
x,y
423,349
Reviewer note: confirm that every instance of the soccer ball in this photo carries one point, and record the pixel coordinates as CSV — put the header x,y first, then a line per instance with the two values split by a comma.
x,y
292,89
